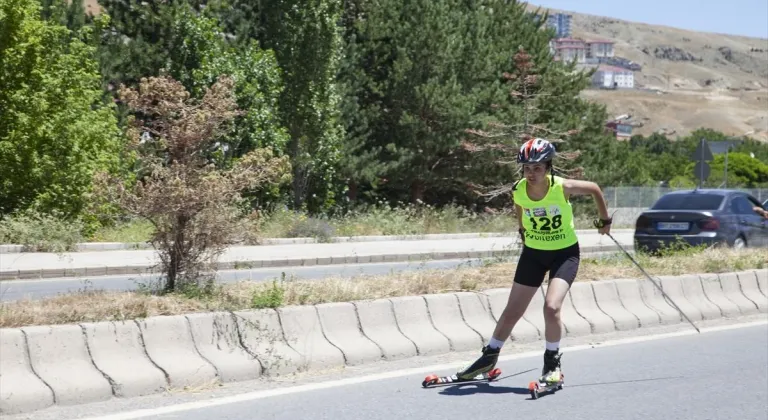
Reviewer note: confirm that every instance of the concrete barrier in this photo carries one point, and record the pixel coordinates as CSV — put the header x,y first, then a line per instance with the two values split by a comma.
x,y
20,389
524,330
342,328
59,356
583,299
732,290
217,338
377,321
673,287
262,336
534,313
653,297
476,313
694,293
446,316
710,283
301,326
632,300
117,349
169,344
414,321
575,325
751,289
608,301
762,280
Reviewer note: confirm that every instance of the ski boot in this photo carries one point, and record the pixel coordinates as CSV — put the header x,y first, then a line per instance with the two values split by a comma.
x,y
483,369
552,377
483,364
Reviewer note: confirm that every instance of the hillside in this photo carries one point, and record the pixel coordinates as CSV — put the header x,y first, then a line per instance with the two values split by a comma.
x,y
688,79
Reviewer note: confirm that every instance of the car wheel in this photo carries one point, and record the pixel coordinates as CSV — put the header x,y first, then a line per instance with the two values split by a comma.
x,y
739,243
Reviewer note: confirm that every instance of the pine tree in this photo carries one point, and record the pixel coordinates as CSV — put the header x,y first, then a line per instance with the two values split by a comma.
x,y
409,87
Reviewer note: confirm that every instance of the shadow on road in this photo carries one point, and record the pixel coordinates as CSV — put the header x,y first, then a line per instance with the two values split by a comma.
x,y
482,387
469,388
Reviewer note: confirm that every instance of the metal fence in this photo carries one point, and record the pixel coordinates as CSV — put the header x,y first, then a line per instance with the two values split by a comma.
x,y
646,196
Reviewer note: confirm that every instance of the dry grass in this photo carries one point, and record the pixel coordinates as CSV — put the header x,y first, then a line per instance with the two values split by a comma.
x,y
93,306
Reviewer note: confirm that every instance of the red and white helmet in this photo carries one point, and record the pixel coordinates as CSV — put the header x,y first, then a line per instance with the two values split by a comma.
x,y
536,150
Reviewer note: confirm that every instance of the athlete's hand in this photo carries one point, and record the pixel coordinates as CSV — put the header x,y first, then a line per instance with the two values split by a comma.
x,y
603,226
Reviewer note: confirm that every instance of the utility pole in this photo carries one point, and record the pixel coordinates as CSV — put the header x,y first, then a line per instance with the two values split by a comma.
x,y
703,155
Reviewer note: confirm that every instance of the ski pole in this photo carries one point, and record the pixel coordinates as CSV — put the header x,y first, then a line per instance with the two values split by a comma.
x,y
654,283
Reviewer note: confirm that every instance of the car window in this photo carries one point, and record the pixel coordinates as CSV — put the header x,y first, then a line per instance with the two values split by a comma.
x,y
740,205
688,202
753,201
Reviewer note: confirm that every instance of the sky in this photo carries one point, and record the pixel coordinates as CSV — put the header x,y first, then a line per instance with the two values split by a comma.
x,y
735,17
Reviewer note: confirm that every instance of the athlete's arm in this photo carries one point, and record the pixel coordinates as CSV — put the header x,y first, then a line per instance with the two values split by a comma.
x,y
577,187
520,229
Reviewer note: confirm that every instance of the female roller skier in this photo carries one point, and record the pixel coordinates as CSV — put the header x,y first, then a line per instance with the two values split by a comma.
x,y
549,245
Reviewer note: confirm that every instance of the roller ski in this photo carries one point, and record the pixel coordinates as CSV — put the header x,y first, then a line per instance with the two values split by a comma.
x,y
552,377
442,380
483,369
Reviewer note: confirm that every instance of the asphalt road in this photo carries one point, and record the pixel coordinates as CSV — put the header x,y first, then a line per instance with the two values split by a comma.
x,y
37,289
720,375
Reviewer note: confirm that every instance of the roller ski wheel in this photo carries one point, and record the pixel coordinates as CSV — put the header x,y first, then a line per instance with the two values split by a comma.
x,y
536,388
442,380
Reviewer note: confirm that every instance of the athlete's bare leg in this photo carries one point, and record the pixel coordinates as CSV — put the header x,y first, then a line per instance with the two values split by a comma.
x,y
519,298
553,329
553,303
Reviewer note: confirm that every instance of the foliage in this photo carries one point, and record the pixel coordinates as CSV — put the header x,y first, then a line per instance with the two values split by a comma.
x,y
392,101
54,130
419,73
305,37
40,232
192,204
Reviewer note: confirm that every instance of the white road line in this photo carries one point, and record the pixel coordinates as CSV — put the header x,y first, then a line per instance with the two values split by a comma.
x,y
257,395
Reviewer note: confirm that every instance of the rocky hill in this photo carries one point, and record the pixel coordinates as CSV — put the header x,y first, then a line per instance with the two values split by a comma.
x,y
688,79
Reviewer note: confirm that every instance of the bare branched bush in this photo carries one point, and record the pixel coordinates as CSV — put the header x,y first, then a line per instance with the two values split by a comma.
x,y
501,141
196,208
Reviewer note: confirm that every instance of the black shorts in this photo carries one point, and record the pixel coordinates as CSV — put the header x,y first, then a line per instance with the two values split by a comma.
x,y
534,264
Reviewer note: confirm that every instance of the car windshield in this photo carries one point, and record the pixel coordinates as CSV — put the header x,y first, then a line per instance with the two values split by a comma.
x,y
689,202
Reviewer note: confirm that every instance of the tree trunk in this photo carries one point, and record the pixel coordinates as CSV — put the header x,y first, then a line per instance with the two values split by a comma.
x,y
417,190
176,260
352,192
300,180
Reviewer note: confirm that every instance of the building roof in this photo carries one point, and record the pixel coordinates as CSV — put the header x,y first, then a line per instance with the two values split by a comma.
x,y
604,67
568,40
570,47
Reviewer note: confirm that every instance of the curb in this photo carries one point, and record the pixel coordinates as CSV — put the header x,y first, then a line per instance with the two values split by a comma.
x,y
66,364
121,246
43,273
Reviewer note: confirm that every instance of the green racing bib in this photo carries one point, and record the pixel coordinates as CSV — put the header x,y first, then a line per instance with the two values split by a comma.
x,y
548,223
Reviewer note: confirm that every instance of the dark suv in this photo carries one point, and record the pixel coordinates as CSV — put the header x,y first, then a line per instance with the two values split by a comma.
x,y
703,217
